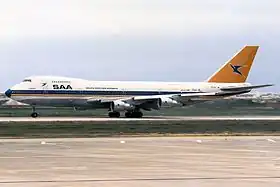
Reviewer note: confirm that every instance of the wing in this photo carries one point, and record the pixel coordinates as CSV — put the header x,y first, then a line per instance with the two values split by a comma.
x,y
155,101
174,97
181,99
158,101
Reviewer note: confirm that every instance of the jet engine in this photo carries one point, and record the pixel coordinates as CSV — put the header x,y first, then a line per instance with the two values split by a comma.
x,y
163,102
155,104
121,106
168,102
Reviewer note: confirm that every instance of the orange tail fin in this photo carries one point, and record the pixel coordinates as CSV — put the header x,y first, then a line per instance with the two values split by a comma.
x,y
237,69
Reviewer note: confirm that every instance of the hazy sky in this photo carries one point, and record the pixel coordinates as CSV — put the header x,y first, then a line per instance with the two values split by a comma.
x,y
167,40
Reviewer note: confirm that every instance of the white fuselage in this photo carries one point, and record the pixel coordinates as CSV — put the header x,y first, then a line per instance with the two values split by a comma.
x,y
72,92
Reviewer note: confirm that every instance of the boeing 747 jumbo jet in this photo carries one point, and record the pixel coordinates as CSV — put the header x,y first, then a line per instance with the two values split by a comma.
x,y
133,96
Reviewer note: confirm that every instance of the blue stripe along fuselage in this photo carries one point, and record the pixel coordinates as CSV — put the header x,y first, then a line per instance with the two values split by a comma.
x,y
95,92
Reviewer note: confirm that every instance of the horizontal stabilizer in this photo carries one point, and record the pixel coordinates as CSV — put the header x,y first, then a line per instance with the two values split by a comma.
x,y
241,88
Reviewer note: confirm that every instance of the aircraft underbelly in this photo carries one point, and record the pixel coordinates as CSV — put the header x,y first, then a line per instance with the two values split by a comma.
x,y
50,101
61,101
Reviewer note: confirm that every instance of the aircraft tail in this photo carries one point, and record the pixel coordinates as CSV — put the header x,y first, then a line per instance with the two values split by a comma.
x,y
236,70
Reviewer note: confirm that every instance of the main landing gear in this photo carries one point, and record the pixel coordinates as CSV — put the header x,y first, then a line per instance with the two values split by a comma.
x,y
114,114
134,114
34,114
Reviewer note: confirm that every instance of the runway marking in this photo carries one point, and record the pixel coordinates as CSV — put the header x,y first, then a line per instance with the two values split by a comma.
x,y
12,157
140,179
271,140
69,168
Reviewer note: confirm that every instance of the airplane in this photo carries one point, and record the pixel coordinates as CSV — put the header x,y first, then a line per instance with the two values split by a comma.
x,y
132,97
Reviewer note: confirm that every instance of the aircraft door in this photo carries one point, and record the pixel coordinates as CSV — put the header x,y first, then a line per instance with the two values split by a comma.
x,y
44,86
123,91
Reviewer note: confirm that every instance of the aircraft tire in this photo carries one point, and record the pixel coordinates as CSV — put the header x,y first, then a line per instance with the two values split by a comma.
x,y
34,115
136,115
114,114
139,114
128,114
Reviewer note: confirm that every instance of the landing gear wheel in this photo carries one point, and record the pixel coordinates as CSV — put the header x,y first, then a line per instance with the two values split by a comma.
x,y
128,114
114,114
134,114
34,114
138,114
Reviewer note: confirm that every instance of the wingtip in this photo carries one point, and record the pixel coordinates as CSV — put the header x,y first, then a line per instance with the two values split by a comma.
x,y
268,85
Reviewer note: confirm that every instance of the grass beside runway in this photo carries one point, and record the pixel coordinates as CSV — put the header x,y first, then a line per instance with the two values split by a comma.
x,y
188,111
140,128
136,128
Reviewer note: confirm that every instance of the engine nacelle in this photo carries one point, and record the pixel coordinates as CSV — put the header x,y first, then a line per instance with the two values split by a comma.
x,y
168,102
119,106
155,104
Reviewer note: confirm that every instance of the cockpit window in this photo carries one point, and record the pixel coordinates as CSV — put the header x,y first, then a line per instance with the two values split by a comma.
x,y
27,80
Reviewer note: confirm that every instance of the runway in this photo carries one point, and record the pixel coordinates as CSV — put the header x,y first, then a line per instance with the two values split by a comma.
x,y
148,118
127,162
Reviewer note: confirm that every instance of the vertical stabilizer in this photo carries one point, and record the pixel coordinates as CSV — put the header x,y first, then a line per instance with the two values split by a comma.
x,y
237,69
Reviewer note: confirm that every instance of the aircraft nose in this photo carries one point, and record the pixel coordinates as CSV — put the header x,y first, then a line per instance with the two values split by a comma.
x,y
8,93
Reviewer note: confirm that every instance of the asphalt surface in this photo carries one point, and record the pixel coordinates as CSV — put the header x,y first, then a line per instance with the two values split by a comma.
x,y
148,118
165,161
